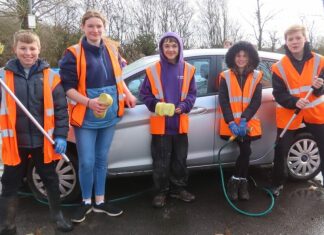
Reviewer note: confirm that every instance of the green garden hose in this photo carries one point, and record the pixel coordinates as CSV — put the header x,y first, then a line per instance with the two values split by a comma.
x,y
263,213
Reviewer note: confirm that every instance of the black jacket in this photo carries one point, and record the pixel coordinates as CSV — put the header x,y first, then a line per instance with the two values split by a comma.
x,y
280,90
252,108
29,90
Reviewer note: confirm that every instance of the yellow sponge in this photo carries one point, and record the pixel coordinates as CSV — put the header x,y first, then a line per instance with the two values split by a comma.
x,y
107,100
164,109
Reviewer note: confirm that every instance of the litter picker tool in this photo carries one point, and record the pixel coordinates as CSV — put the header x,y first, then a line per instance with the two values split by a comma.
x,y
23,108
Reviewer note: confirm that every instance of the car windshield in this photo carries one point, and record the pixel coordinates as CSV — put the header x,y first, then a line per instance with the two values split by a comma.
x,y
143,62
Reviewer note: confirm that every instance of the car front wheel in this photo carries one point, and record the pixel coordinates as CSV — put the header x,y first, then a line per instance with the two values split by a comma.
x,y
68,180
303,159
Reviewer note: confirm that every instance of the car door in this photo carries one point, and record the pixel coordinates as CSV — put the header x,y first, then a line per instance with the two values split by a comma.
x,y
202,116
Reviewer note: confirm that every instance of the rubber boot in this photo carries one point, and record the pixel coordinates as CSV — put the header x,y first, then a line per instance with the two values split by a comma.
x,y
8,211
61,223
232,188
244,190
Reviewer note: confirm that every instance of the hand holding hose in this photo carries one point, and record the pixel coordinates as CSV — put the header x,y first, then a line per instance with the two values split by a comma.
x,y
243,127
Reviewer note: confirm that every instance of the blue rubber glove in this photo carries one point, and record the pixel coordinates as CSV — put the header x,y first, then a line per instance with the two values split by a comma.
x,y
243,127
60,145
234,128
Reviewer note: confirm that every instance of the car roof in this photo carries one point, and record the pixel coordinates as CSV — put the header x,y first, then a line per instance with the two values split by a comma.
x,y
144,62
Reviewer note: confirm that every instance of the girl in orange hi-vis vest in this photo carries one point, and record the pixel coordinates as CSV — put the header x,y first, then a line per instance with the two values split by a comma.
x,y
240,93
88,69
293,76
39,89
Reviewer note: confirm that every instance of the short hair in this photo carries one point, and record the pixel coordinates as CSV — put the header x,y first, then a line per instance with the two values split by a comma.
x,y
26,36
93,13
295,28
170,39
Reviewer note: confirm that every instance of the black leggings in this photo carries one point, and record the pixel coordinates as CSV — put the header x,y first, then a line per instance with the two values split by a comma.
x,y
12,175
242,162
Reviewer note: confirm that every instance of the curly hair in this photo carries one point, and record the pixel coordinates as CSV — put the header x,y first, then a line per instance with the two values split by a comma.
x,y
246,47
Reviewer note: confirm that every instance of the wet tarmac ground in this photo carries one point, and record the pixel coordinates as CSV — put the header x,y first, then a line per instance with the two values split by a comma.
x,y
298,210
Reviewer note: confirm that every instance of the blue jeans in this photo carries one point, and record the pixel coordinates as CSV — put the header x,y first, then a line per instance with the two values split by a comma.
x,y
93,146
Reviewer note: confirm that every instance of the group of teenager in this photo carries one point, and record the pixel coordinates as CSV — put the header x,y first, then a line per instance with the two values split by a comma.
x,y
94,66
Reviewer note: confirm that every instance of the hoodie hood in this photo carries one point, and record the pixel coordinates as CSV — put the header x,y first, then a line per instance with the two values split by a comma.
x,y
177,37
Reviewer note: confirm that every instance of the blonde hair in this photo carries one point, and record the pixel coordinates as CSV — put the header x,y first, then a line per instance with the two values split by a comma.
x,y
25,36
93,13
295,28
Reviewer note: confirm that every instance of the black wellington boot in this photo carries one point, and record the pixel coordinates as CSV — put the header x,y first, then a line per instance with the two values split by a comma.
x,y
232,188
61,223
8,211
244,190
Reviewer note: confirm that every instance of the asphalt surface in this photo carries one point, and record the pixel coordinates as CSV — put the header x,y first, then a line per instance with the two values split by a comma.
x,y
299,210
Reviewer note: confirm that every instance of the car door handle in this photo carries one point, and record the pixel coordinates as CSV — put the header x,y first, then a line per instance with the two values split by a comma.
x,y
198,110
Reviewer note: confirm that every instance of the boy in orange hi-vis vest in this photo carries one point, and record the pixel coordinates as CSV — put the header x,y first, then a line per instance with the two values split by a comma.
x,y
169,92
293,76
38,88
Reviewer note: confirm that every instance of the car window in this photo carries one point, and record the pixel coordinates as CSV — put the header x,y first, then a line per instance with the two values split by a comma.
x,y
134,85
264,66
202,73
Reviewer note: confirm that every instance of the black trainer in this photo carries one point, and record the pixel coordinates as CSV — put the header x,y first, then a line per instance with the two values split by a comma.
x,y
159,200
108,209
81,213
183,195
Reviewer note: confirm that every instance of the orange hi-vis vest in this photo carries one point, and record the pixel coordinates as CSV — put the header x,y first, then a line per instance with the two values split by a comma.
x,y
77,110
10,155
240,100
298,85
157,123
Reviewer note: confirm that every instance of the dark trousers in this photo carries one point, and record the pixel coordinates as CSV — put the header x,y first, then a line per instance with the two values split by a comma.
x,y
242,162
280,170
169,154
12,175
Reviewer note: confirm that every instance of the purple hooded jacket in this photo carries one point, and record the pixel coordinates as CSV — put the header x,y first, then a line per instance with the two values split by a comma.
x,y
172,85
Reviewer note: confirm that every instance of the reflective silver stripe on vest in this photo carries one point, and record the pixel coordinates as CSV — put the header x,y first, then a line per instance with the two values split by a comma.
x,y
77,49
228,82
187,80
316,102
157,83
115,52
121,96
283,74
239,99
49,112
255,77
3,108
119,79
299,90
7,133
317,60
50,132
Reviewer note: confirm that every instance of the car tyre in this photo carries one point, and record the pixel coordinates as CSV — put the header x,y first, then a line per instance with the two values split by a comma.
x,y
68,179
303,159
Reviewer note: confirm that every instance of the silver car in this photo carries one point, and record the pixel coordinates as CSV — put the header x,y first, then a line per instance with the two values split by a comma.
x,y
130,151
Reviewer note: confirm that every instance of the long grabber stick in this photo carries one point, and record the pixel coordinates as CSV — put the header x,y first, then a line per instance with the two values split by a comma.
x,y
39,127
295,114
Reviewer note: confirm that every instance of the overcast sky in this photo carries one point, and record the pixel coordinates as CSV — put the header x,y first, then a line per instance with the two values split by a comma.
x,y
289,12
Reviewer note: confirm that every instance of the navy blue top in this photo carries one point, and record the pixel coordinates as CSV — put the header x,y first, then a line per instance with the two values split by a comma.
x,y
99,68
